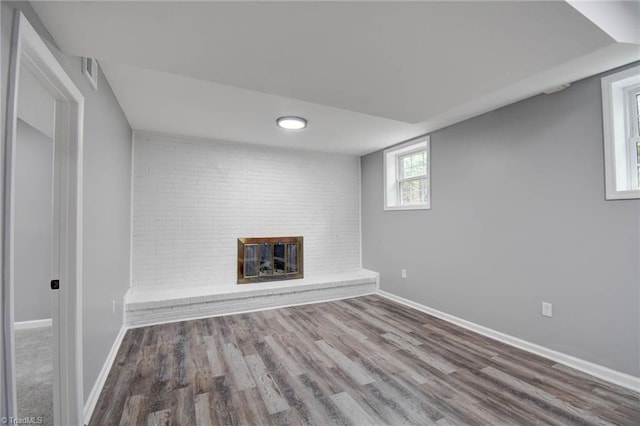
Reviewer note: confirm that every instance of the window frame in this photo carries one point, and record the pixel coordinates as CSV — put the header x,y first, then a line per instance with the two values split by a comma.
x,y
620,127
392,180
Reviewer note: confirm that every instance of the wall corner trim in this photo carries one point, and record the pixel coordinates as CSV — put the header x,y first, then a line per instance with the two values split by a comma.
x,y
92,400
616,377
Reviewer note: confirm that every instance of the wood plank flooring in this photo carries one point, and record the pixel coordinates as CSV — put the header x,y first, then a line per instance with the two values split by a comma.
x,y
360,361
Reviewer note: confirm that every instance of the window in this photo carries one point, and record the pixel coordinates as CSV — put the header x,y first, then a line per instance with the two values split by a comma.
x,y
407,176
621,118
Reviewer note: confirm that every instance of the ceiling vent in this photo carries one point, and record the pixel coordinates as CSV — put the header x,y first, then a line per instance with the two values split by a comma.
x,y
557,88
90,71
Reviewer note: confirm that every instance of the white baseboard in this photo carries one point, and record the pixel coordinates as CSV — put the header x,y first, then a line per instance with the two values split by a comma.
x,y
604,373
24,325
92,400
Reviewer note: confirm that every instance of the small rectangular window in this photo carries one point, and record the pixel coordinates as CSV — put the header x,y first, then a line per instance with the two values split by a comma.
x,y
406,172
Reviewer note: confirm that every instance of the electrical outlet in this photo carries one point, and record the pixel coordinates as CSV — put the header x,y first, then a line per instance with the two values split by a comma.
x,y
547,309
403,273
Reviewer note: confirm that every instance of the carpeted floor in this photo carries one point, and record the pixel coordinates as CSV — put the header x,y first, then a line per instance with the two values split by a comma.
x,y
34,374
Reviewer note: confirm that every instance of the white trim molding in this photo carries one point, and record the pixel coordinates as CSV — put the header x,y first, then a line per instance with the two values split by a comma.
x,y
620,128
25,325
621,379
94,395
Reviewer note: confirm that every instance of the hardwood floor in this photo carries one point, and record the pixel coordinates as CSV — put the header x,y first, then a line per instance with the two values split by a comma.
x,y
359,361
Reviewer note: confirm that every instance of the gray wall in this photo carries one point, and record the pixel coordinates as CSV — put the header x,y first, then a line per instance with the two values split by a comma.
x,y
34,169
36,106
519,217
106,204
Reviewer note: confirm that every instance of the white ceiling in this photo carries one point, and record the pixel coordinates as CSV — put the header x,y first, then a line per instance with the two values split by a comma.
x,y
365,74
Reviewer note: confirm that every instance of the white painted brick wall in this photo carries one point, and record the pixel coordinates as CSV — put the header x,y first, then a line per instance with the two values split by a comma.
x,y
193,198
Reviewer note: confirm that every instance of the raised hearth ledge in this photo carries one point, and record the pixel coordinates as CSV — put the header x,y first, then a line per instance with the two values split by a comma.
x,y
147,305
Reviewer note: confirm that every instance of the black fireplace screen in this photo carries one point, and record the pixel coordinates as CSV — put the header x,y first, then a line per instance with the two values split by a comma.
x,y
269,259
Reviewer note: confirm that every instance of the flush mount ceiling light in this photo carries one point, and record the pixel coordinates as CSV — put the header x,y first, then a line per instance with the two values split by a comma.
x,y
291,123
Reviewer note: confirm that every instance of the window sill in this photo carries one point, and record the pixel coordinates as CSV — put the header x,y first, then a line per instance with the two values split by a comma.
x,y
411,207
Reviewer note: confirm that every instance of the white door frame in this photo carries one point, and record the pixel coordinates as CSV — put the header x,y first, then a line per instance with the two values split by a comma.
x,y
28,50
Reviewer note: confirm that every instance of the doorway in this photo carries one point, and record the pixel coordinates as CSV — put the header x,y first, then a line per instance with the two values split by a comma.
x,y
31,58
32,257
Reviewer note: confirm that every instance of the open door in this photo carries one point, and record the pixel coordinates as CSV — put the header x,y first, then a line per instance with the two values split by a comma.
x,y
29,52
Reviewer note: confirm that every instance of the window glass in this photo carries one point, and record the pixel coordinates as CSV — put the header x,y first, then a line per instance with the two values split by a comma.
x,y
413,165
413,191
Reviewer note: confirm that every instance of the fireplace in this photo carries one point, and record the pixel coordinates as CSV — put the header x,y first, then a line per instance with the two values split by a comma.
x,y
269,259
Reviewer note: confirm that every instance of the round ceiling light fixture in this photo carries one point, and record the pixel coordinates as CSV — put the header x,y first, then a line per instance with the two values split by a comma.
x,y
291,123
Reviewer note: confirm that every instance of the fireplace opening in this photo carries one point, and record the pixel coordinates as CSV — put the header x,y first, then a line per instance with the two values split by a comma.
x,y
269,259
